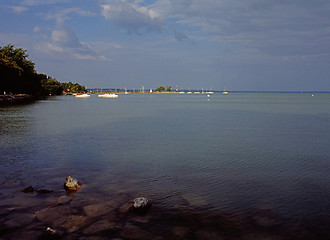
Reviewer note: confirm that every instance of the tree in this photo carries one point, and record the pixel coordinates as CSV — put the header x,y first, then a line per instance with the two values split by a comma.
x,y
17,73
168,88
51,86
160,89
73,87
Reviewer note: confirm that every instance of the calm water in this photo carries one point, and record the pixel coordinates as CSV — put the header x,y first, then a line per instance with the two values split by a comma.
x,y
237,166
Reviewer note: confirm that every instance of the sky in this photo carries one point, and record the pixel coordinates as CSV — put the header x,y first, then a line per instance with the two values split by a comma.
x,y
255,45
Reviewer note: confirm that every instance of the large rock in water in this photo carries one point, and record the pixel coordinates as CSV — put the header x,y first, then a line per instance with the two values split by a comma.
x,y
140,205
72,184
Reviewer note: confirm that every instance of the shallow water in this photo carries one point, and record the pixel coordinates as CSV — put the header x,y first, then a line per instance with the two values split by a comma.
x,y
237,166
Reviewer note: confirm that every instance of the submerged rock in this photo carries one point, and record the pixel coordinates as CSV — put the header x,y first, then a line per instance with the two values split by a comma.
x,y
43,190
140,205
102,226
98,209
29,189
72,184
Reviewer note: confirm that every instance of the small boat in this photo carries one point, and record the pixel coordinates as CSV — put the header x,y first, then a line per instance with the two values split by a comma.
x,y
84,95
108,95
225,92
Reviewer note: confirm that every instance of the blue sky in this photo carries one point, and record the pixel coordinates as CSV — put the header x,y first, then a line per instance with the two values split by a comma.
x,y
281,45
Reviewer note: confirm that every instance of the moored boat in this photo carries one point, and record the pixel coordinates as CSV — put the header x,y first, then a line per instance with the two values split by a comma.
x,y
108,95
84,95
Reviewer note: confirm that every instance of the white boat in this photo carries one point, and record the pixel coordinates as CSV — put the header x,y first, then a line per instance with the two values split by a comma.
x,y
108,95
210,92
85,95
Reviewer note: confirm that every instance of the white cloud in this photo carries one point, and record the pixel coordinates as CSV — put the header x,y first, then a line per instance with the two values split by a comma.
x,y
65,44
271,27
18,9
131,16
40,2
37,29
63,36
89,57
63,15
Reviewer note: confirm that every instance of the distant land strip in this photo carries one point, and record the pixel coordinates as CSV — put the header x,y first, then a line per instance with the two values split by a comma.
x,y
195,90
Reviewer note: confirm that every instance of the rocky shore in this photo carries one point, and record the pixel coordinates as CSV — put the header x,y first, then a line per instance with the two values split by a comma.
x,y
74,212
14,99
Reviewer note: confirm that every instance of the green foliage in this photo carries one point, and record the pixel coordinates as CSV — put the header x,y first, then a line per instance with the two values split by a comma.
x,y
160,89
51,86
17,75
73,87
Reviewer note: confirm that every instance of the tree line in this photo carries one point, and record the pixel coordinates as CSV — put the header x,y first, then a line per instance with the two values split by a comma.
x,y
162,89
18,75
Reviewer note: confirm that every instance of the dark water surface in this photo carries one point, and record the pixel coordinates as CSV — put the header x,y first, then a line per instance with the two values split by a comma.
x,y
237,166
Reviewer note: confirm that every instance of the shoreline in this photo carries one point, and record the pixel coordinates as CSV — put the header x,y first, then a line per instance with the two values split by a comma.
x,y
15,99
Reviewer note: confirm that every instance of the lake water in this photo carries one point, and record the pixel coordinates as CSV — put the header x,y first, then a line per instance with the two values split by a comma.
x,y
236,166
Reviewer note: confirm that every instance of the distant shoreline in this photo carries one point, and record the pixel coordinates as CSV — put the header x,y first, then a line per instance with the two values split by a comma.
x,y
137,91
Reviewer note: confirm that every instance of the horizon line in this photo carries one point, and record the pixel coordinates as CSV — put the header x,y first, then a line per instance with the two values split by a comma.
x,y
216,91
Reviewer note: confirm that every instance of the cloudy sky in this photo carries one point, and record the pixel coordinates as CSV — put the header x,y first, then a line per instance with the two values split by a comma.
x,y
281,45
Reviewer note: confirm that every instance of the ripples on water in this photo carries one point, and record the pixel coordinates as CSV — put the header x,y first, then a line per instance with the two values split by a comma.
x,y
241,166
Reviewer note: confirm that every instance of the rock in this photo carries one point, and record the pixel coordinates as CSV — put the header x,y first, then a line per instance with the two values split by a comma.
x,y
72,184
81,202
29,189
99,209
102,226
73,223
57,214
50,231
44,191
133,232
140,205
